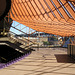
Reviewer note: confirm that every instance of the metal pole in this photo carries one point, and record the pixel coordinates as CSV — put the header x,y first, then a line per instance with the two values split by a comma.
x,y
74,39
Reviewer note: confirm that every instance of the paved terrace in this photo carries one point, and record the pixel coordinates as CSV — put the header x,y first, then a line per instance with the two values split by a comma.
x,y
46,61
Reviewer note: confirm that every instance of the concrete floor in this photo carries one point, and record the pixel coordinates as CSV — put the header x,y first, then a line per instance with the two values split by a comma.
x,y
46,61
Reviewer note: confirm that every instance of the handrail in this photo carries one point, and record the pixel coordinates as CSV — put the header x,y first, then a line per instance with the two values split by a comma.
x,y
23,40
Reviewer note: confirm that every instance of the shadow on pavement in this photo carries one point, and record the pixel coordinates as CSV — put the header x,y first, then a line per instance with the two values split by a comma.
x,y
64,58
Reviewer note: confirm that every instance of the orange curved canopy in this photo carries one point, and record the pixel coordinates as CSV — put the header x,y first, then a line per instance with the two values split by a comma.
x,y
49,16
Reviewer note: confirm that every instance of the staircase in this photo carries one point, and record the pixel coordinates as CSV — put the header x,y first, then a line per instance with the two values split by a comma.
x,y
16,49
21,42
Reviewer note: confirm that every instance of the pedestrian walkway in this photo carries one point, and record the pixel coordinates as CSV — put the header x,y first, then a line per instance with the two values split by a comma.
x,y
46,61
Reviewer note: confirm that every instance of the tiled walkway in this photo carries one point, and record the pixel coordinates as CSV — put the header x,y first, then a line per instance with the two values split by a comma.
x,y
46,61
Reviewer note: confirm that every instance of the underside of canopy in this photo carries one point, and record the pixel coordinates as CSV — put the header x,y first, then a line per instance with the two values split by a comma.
x,y
49,16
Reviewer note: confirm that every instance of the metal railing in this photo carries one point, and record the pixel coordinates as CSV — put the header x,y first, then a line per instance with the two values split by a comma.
x,y
27,43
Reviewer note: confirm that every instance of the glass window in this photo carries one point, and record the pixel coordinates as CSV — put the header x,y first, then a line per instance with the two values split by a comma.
x,y
57,9
73,7
65,9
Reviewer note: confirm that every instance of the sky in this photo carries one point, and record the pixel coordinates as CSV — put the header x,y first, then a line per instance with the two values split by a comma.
x,y
20,27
